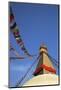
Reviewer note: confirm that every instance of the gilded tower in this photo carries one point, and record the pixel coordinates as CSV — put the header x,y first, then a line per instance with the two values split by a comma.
x,y
44,65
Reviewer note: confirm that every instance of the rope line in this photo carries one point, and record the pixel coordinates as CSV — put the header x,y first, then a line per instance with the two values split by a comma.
x,y
52,59
14,29
17,58
27,72
16,53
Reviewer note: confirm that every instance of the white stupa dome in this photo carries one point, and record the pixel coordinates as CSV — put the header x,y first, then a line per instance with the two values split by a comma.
x,y
44,79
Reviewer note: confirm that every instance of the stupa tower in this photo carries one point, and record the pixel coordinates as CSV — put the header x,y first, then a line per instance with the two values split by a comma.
x,y
44,65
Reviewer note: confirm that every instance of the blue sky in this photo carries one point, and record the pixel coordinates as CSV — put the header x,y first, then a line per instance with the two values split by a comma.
x,y
37,24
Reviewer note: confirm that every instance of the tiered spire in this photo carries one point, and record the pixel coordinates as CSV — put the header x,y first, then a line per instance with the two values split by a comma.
x,y
44,65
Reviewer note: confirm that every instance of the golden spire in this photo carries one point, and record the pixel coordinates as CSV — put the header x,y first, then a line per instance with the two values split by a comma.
x,y
43,48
